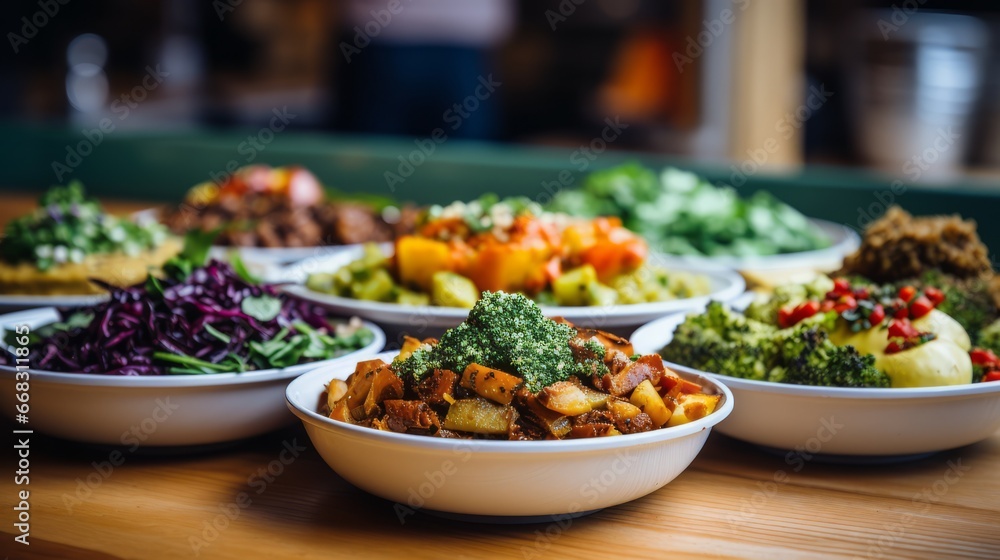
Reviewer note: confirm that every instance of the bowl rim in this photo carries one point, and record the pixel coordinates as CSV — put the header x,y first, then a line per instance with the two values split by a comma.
x,y
665,327
44,315
311,417
733,285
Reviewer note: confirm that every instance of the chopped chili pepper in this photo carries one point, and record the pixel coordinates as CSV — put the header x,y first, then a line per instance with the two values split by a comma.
x,y
789,316
841,286
844,303
983,357
935,295
906,293
877,315
902,328
920,307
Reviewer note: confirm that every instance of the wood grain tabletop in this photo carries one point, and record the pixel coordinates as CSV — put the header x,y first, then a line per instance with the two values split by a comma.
x,y
242,501
734,501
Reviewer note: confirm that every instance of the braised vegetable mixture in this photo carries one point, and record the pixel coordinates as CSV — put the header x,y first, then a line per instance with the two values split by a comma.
x,y
261,206
510,373
513,246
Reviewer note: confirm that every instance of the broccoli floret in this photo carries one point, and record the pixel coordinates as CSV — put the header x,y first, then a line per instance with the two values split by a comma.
x,y
809,358
507,332
989,338
421,362
725,342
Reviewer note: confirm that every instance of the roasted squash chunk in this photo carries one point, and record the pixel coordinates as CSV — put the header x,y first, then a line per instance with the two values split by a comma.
x,y
490,383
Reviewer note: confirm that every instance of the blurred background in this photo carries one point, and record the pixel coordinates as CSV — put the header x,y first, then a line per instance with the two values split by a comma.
x,y
908,88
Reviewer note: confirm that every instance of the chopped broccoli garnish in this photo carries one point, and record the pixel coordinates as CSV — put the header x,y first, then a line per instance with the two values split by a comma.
x,y
507,332
725,342
596,347
967,301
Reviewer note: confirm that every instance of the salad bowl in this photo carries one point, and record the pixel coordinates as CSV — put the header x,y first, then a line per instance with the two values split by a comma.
x,y
862,423
150,411
512,480
432,320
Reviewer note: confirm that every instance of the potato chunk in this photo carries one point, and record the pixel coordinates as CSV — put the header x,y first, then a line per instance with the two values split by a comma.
x,y
564,397
693,407
479,416
335,389
649,401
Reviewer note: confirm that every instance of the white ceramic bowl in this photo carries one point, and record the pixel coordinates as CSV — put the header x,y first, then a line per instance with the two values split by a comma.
x,y
858,422
499,478
429,320
169,410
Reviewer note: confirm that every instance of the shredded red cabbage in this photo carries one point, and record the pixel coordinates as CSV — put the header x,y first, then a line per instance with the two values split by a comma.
x,y
201,320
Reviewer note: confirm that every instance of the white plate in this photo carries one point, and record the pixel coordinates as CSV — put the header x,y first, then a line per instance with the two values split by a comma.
x,y
276,255
169,410
846,421
725,284
498,478
844,242
11,303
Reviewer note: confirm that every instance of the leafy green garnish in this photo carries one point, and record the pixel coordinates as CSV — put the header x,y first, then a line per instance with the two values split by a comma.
x,y
681,213
262,308
241,269
217,334
67,227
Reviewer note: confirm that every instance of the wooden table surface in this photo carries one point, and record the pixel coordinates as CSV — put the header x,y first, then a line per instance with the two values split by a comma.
x,y
727,504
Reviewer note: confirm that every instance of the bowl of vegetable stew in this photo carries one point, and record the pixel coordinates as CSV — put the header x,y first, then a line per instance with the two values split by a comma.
x,y
469,425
